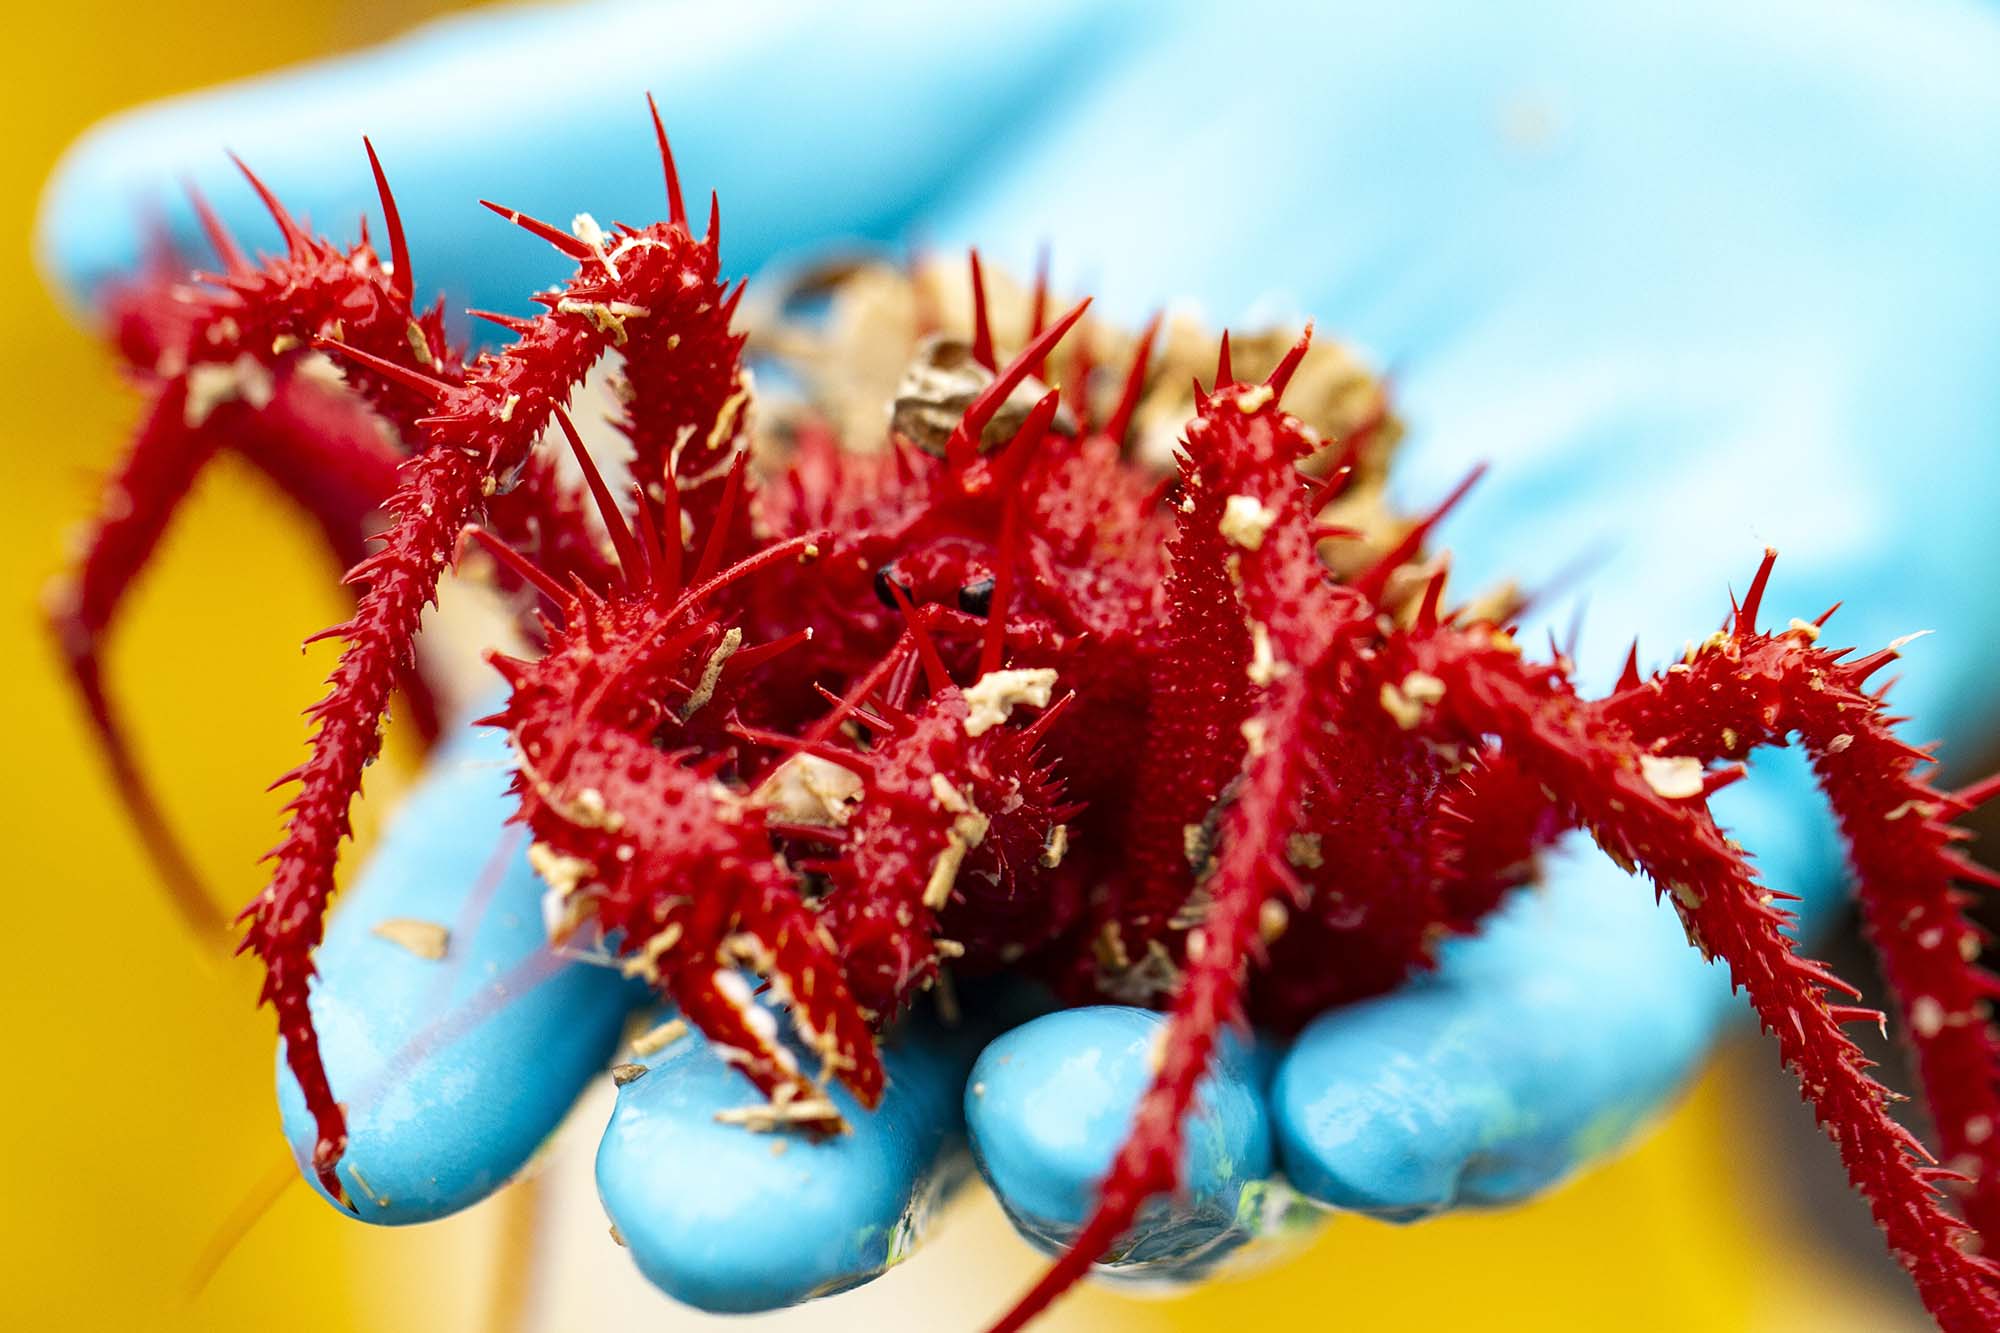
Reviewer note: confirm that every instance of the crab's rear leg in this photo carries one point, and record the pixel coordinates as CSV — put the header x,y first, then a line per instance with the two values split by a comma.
x,y
322,447
138,502
1749,689
1653,817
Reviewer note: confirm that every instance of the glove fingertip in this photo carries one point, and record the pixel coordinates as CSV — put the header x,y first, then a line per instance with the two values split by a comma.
x,y
1378,1107
731,1220
1050,1103
455,1040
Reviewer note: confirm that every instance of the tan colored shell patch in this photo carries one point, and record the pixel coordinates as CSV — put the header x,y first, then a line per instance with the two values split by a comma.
x,y
657,1039
1676,777
992,698
425,939
1245,520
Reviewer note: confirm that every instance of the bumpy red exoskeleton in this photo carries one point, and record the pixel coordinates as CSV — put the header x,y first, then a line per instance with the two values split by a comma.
x,y
1005,694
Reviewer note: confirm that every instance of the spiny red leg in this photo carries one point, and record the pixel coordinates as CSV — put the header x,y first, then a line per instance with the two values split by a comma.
x,y
479,431
1202,689
1929,951
1651,816
1249,543
651,826
1750,689
1250,871
697,969
439,496
940,798
228,336
138,502
779,938
1249,611
713,996
808,977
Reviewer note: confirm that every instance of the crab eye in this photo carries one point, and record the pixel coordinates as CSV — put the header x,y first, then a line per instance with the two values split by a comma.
x,y
888,577
976,597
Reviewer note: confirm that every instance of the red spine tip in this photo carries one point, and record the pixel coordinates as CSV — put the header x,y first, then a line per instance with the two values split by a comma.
x,y
982,325
1288,365
401,281
534,226
1746,618
296,240
676,205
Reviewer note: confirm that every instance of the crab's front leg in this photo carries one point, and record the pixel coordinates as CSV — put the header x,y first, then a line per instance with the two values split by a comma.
x,y
480,431
1648,811
1251,530
1250,871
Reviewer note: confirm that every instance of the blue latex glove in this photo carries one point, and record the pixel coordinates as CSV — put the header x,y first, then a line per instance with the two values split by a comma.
x,y
1695,280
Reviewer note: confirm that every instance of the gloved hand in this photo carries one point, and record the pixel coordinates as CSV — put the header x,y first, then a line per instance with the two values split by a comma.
x,y
1695,281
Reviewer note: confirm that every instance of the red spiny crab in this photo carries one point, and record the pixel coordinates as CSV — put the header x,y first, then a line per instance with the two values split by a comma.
x,y
1008,693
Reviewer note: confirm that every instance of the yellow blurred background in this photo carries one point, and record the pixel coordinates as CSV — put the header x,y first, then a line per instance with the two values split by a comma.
x,y
138,1114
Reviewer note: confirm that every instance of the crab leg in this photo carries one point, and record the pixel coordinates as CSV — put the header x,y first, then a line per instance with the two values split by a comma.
x,y
216,350
798,956
631,827
946,793
1245,520
1248,608
1202,693
138,502
437,497
1750,689
440,492
1250,872
322,447
1650,815
479,431
713,996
